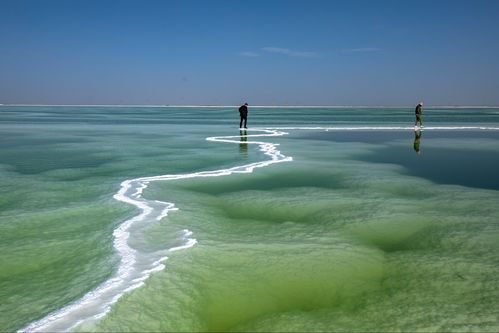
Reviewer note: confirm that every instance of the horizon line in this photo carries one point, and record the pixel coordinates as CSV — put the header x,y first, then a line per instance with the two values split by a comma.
x,y
254,106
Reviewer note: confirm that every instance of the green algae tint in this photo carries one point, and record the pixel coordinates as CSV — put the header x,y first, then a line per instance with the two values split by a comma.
x,y
368,249
349,236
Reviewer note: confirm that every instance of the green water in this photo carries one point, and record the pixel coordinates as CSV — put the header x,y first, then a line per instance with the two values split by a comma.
x,y
349,236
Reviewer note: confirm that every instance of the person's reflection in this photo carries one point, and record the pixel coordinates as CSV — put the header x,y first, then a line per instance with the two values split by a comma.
x,y
417,141
243,145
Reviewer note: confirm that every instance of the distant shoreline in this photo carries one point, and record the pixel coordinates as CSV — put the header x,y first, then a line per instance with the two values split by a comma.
x,y
264,106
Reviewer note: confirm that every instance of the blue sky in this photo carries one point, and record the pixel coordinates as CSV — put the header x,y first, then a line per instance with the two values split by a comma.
x,y
268,52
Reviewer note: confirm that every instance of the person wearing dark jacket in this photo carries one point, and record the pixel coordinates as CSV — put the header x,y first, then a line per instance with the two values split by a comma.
x,y
243,113
419,114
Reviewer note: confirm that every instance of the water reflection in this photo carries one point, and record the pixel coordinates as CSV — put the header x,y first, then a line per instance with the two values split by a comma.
x,y
417,141
243,145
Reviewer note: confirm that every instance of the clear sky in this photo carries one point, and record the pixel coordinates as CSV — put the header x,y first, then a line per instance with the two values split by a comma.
x,y
268,52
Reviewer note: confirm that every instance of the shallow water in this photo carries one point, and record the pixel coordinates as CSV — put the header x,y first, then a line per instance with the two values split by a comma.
x,y
357,232
468,158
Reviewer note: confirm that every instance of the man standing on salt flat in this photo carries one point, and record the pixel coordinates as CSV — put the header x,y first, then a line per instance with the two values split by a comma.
x,y
419,114
243,113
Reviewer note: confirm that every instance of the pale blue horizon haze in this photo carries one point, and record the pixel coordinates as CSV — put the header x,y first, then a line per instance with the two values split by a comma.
x,y
263,52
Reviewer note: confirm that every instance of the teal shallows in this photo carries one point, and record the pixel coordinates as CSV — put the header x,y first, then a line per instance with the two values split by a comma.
x,y
369,243
59,171
331,241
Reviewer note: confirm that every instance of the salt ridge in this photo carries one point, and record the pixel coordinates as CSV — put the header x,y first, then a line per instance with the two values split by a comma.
x,y
134,269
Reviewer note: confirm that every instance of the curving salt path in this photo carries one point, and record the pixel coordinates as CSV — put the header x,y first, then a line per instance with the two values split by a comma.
x,y
136,267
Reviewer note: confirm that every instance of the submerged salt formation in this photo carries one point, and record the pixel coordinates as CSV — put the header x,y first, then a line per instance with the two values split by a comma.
x,y
349,236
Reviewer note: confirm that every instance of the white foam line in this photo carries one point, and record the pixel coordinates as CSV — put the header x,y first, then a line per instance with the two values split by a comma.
x,y
131,273
168,207
388,128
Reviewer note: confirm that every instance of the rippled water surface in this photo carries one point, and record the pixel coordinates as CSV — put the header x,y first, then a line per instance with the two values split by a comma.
x,y
366,226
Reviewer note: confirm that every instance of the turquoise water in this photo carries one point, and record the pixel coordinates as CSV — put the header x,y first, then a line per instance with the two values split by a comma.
x,y
338,224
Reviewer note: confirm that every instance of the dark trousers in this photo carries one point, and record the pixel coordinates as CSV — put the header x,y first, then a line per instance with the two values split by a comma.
x,y
419,119
245,118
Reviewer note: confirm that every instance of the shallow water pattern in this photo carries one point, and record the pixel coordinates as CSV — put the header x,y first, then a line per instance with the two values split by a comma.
x,y
348,236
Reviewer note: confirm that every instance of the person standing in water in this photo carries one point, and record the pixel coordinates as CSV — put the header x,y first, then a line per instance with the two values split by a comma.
x,y
243,113
419,114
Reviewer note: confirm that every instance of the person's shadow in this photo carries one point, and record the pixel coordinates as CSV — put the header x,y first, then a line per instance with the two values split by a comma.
x,y
243,145
417,141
